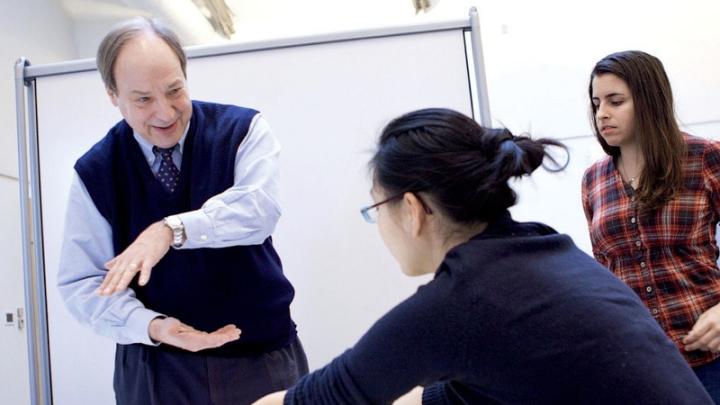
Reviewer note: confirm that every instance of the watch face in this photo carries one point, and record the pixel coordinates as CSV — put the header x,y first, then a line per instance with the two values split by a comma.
x,y
173,222
178,230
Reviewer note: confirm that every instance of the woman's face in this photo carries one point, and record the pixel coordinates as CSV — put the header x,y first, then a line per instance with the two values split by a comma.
x,y
394,224
614,110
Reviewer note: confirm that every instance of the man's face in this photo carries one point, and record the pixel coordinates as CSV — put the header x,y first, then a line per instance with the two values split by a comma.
x,y
151,91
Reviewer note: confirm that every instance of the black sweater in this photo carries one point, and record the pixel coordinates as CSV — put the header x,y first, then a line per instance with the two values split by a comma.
x,y
516,315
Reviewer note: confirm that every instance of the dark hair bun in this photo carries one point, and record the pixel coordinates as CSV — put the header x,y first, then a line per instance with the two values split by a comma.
x,y
464,167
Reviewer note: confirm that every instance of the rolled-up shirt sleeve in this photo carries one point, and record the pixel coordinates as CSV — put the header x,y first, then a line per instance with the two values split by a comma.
x,y
86,246
247,212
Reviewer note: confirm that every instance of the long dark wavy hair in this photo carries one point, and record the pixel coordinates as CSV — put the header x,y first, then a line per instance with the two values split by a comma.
x,y
661,142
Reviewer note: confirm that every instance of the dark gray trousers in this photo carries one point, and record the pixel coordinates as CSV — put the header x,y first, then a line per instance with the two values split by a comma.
x,y
147,375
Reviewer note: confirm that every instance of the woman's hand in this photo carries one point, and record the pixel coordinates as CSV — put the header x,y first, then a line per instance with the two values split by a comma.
x,y
413,397
705,334
276,398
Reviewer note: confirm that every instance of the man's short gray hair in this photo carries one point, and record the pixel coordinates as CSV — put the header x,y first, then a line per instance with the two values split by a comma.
x,y
116,39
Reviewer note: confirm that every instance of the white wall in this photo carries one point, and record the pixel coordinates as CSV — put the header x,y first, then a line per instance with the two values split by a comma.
x,y
254,20
538,55
40,31
92,19
280,18
538,65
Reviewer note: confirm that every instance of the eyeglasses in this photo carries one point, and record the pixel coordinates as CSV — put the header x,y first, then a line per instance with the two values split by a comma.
x,y
370,214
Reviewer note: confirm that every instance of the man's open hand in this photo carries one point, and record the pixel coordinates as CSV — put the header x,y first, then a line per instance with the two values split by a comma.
x,y
175,333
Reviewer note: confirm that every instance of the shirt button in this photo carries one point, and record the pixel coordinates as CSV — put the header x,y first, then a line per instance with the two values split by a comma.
x,y
203,237
648,289
632,220
642,264
637,243
655,311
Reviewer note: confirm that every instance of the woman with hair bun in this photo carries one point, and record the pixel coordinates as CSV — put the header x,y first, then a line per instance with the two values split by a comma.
x,y
516,314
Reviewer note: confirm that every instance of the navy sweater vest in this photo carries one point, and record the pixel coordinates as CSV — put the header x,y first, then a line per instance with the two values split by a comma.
x,y
204,288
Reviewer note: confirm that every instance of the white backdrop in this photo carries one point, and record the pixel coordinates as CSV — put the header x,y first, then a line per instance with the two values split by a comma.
x,y
326,104
537,71
538,65
554,198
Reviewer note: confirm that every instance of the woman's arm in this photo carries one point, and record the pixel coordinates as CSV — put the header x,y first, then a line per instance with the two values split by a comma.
x,y
418,342
276,398
414,397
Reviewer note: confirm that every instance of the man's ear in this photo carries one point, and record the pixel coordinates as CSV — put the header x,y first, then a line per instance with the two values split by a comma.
x,y
415,211
113,97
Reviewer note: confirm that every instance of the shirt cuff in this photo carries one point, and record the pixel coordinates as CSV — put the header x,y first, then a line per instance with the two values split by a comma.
x,y
138,326
198,229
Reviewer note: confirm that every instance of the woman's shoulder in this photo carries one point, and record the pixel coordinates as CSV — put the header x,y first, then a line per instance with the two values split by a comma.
x,y
515,243
699,148
698,143
599,169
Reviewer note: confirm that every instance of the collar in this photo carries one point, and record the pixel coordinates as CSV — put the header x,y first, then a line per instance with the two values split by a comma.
x,y
147,147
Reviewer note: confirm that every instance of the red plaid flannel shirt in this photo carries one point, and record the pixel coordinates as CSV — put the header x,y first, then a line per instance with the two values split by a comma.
x,y
668,257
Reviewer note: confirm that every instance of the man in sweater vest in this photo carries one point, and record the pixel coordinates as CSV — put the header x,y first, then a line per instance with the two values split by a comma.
x,y
167,246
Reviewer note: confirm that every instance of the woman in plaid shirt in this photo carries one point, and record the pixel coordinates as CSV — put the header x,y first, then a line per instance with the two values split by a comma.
x,y
653,203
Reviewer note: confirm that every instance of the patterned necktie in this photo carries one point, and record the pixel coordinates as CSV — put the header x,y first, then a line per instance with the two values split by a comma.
x,y
168,174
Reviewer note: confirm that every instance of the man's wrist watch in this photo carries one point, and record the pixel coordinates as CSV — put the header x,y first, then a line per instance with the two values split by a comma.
x,y
178,230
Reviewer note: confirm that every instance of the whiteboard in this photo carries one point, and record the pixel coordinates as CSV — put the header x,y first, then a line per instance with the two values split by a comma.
x,y
326,104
